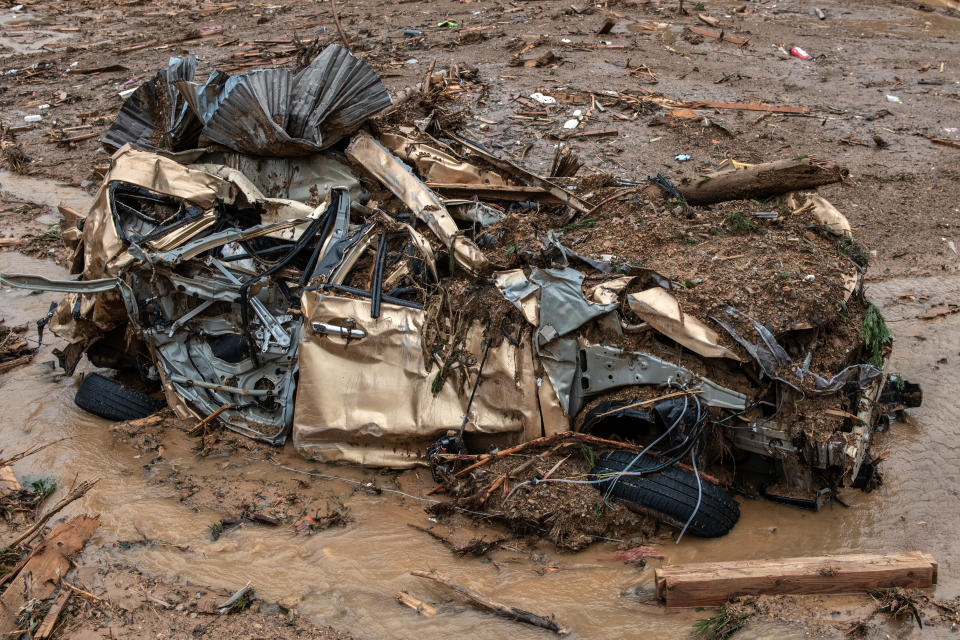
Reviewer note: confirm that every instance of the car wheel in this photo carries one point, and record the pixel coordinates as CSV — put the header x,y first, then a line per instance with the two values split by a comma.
x,y
670,495
109,399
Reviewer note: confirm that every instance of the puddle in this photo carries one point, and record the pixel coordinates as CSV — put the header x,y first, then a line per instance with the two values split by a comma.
x,y
348,577
23,39
44,191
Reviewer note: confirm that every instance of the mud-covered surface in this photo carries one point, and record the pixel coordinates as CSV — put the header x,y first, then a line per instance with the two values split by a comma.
x,y
127,603
296,503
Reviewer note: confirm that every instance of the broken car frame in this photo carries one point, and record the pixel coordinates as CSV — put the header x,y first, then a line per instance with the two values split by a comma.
x,y
329,319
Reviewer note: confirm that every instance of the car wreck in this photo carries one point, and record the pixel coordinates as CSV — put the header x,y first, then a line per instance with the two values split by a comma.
x,y
292,255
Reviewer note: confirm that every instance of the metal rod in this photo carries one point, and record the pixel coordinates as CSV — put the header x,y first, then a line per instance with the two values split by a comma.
x,y
376,287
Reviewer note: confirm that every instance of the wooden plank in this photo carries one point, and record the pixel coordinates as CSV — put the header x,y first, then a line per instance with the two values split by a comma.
x,y
49,562
490,192
713,583
45,630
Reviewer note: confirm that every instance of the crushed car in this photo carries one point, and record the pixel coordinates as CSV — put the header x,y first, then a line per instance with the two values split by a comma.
x,y
267,249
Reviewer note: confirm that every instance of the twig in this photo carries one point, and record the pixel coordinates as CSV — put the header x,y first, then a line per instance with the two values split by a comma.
x,y
505,611
30,452
149,596
336,21
82,593
37,526
645,403
519,469
435,536
619,194
555,467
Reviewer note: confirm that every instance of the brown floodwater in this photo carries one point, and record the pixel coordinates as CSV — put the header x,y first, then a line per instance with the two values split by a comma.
x,y
348,577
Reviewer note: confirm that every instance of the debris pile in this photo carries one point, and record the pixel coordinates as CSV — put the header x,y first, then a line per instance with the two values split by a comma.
x,y
15,350
288,253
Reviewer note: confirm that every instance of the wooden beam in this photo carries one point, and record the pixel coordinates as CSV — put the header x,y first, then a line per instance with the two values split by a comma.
x,y
714,583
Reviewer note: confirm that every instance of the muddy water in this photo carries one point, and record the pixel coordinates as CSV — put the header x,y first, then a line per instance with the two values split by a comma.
x,y
46,192
348,577
29,35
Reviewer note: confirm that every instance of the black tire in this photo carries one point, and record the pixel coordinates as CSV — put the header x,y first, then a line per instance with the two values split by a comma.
x,y
109,399
670,495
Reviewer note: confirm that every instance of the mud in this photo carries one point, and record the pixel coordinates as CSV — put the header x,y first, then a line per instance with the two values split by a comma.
x,y
157,497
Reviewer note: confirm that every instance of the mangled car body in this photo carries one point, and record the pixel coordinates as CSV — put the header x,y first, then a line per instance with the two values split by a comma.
x,y
258,278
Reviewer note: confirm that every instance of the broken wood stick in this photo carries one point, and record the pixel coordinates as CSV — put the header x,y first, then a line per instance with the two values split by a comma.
x,y
83,594
477,546
762,181
504,611
517,470
80,138
9,365
714,583
429,76
741,106
236,597
436,536
336,21
421,607
37,526
615,196
947,142
45,630
205,421
717,35
591,133
17,567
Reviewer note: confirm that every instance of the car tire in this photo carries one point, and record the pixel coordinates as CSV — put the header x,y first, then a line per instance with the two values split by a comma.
x,y
670,495
109,399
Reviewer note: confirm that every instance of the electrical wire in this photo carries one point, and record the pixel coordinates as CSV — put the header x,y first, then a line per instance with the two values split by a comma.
x,y
693,459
